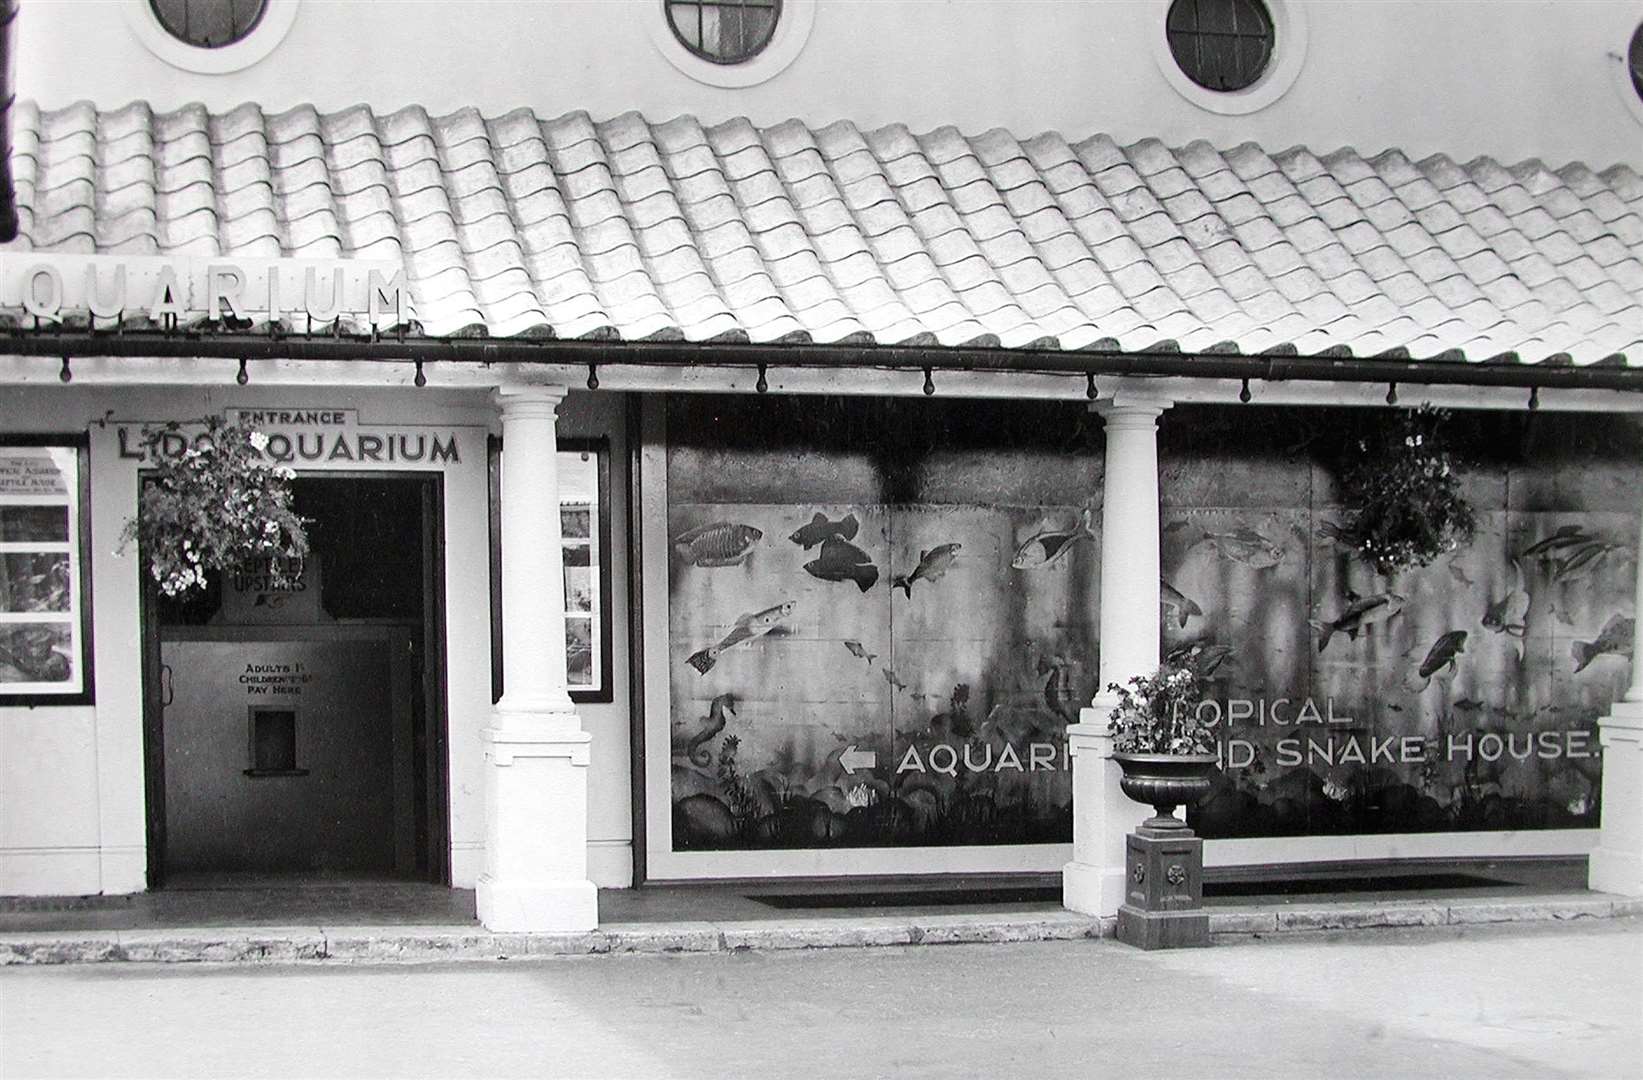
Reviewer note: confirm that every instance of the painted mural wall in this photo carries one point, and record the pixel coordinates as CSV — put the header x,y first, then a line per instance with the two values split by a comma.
x,y
882,615
1460,696
881,619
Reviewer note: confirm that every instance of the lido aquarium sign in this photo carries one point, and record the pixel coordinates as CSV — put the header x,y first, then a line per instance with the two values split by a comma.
x,y
118,288
315,436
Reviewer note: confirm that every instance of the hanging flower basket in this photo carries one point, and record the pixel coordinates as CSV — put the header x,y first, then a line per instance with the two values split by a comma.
x,y
215,505
1402,494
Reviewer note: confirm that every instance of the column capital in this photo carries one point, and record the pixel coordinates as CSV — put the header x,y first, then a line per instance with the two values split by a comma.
x,y
1130,411
529,402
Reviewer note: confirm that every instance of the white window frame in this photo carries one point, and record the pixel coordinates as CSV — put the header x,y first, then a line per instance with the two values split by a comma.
x,y
263,39
791,33
1282,69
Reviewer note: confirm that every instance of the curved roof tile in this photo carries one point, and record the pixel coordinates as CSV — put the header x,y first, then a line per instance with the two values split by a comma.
x,y
565,227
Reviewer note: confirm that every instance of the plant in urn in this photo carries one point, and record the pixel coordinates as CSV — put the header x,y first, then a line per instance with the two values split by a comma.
x,y
1167,754
1166,751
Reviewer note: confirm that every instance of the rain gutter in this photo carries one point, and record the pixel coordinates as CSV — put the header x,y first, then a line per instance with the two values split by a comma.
x,y
1607,375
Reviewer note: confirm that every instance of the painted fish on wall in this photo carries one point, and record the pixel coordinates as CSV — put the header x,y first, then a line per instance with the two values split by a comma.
x,y
746,628
1565,536
932,565
719,543
820,529
719,710
840,560
1172,599
1245,545
1509,614
1616,639
1361,613
1442,654
857,650
1047,546
1205,658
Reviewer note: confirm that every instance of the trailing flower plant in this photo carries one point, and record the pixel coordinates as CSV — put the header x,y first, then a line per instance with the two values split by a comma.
x,y
214,503
1402,495
1159,713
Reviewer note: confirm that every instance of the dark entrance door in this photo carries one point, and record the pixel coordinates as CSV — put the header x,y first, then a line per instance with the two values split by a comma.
x,y
301,733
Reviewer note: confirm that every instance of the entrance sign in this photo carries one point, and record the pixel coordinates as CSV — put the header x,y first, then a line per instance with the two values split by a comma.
x,y
110,288
305,437
44,656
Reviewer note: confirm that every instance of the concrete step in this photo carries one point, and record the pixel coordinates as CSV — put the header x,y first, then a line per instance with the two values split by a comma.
x,y
429,944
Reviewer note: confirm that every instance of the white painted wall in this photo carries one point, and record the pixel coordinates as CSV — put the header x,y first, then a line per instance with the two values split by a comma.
x,y
72,810
1531,78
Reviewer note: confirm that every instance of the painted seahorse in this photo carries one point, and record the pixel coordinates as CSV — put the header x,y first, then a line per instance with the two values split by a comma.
x,y
714,722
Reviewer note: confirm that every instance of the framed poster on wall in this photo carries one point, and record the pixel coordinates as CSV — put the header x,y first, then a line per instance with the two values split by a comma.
x,y
45,639
584,527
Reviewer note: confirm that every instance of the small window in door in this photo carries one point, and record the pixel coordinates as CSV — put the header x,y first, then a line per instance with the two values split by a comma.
x,y
274,742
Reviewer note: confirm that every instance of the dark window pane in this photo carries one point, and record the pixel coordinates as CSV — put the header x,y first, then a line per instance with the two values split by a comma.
x,y
274,740
578,588
36,653
724,31
1220,44
34,523
579,651
209,24
32,581
1634,58
574,523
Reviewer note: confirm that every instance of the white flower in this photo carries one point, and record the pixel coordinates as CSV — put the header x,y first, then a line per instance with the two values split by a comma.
x,y
259,441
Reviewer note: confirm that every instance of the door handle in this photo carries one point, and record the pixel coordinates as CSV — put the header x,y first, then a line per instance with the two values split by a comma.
x,y
165,685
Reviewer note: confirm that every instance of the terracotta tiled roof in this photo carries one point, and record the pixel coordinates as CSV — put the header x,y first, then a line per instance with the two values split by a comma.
x,y
567,227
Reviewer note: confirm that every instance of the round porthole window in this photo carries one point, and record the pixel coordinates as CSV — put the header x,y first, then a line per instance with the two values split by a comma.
x,y
1221,45
730,43
724,31
1634,61
212,37
1231,57
209,24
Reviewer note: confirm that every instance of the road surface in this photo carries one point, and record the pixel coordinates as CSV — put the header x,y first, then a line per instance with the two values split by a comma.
x,y
1524,1001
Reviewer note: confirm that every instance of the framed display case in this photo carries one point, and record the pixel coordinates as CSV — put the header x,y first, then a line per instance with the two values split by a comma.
x,y
584,517
45,609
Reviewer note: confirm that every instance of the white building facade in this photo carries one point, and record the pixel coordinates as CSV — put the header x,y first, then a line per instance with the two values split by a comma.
x,y
1050,346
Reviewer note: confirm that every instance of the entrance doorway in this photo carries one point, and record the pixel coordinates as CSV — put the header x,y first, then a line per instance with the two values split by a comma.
x,y
299,734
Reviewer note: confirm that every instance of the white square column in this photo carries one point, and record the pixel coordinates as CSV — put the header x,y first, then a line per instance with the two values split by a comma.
x,y
536,753
1093,883
1616,864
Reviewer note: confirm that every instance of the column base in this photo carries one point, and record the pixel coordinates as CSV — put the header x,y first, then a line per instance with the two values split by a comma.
x,y
1618,872
1092,890
537,906
1616,864
1162,929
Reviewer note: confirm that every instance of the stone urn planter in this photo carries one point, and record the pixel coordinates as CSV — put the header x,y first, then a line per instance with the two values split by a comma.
x,y
1165,781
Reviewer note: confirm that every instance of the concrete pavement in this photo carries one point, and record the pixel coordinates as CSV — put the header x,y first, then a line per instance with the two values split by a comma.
x,y
1501,1001
400,922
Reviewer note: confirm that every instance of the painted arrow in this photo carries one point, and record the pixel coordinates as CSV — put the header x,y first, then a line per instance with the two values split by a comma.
x,y
853,759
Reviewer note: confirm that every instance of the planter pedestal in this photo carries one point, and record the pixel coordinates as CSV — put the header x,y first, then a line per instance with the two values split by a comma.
x,y
1164,895
1163,860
